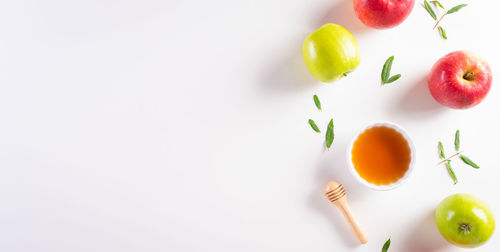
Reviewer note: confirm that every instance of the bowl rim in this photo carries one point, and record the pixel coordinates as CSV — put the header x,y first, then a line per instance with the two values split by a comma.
x,y
405,135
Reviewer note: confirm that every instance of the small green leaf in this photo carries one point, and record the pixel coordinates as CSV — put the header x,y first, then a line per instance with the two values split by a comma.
x,y
451,172
456,8
314,126
441,150
468,161
437,3
386,245
443,32
457,140
329,134
316,101
386,70
430,10
393,79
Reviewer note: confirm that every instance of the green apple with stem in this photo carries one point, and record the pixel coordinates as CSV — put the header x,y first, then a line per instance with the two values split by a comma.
x,y
331,52
465,220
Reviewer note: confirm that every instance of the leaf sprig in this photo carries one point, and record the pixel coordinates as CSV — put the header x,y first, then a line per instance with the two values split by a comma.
x,y
447,161
386,245
469,162
432,13
330,135
437,3
386,72
451,172
314,126
442,32
450,11
430,10
317,102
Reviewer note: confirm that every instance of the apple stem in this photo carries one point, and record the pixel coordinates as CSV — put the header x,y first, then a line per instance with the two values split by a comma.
x,y
452,156
465,227
469,76
439,21
344,74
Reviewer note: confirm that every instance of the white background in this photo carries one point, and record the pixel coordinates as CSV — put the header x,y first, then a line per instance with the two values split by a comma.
x,y
182,126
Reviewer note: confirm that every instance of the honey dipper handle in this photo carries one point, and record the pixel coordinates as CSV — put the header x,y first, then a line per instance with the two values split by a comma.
x,y
344,208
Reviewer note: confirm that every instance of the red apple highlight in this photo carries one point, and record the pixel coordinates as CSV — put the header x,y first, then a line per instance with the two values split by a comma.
x,y
383,14
460,80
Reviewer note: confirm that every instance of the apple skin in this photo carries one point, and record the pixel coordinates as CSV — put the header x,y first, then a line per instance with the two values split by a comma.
x,y
331,52
459,209
460,80
383,14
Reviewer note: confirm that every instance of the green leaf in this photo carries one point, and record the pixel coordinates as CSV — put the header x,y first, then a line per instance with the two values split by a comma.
x,y
437,3
430,10
468,161
456,8
316,101
314,126
443,32
457,140
386,245
451,172
441,150
329,134
393,78
386,70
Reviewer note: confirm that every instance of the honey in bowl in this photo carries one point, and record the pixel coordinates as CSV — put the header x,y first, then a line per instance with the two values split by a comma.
x,y
381,155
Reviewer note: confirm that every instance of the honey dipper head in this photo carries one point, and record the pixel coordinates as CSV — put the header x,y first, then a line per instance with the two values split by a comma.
x,y
334,191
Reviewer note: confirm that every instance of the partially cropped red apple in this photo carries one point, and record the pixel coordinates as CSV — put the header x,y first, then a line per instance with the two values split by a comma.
x,y
460,80
383,14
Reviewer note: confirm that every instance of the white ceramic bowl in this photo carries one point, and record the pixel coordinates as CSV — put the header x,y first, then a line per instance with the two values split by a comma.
x,y
402,179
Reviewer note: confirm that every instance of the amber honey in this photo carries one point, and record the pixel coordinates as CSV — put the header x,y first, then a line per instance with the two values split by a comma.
x,y
381,155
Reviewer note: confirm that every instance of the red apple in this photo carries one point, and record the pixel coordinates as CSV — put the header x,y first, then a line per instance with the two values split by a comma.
x,y
460,80
383,14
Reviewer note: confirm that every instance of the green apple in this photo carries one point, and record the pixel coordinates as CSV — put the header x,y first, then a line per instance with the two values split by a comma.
x,y
331,52
465,220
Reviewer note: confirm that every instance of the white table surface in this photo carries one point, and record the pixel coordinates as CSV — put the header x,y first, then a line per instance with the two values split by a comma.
x,y
182,126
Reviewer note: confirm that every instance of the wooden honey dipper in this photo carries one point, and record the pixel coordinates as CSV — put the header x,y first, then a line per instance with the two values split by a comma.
x,y
335,192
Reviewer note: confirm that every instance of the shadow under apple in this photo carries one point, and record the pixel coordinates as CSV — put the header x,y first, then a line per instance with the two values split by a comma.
x,y
289,73
426,237
418,101
342,13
